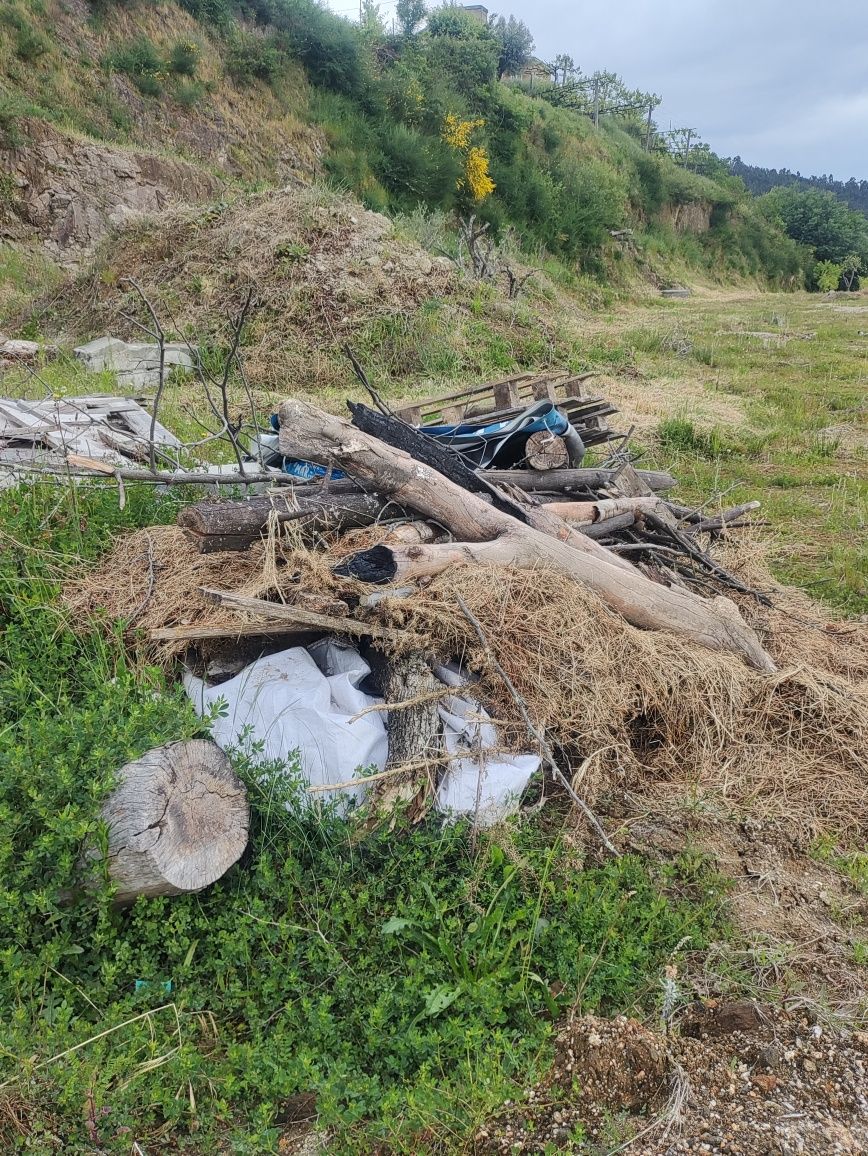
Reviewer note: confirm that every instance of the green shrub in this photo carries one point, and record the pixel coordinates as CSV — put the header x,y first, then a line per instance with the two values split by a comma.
x,y
253,56
140,60
30,44
827,275
183,58
415,168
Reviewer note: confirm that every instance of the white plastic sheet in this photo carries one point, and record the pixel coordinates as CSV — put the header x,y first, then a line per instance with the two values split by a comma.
x,y
476,782
302,700
309,701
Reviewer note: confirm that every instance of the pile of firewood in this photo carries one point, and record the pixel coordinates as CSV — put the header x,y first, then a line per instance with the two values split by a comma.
x,y
424,508
610,529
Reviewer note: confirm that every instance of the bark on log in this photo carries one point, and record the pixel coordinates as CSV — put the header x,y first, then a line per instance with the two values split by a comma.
x,y
234,525
414,731
493,537
177,821
579,479
546,451
588,513
427,450
413,446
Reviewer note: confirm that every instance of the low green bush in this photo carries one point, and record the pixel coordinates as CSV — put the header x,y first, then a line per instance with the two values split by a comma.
x,y
252,56
140,60
183,59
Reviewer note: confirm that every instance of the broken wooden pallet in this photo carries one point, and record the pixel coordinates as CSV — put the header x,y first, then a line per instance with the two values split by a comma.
x,y
116,429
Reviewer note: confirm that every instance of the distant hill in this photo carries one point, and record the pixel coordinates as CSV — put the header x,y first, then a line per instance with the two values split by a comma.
x,y
759,180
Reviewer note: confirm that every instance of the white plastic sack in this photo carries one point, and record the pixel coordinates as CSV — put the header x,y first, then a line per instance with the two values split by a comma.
x,y
302,700
488,787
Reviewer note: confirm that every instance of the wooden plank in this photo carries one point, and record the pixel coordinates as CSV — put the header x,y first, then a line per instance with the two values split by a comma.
x,y
19,415
505,395
295,614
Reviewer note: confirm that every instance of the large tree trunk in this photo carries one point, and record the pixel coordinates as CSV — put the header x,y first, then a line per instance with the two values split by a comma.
x,y
234,525
307,431
177,821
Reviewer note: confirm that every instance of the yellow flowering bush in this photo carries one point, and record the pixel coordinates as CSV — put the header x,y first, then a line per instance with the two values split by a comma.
x,y
476,175
476,180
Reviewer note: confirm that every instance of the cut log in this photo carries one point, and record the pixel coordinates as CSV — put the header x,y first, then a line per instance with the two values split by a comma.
x,y
581,479
414,733
216,525
494,538
546,451
177,820
587,513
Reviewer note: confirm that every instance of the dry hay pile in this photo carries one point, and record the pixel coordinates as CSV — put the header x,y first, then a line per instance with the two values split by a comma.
x,y
629,708
321,267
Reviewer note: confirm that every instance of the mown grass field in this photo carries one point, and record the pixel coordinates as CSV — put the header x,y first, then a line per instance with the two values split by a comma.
x,y
761,397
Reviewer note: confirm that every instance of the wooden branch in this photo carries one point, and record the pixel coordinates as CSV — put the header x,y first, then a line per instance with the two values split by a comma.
x,y
300,617
426,449
587,513
236,630
392,432
177,821
492,537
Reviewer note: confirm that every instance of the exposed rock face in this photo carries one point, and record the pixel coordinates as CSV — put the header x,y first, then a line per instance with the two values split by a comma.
x,y
692,217
70,192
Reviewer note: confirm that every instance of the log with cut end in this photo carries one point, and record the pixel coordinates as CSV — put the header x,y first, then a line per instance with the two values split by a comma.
x,y
581,479
235,525
490,536
177,820
546,451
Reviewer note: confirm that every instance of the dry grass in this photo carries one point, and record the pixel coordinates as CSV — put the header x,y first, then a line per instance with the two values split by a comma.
x,y
321,268
630,709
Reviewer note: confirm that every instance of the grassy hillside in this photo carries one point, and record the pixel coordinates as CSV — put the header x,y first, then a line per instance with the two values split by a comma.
x,y
262,90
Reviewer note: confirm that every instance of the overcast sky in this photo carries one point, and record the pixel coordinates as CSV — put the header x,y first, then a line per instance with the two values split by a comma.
x,y
782,83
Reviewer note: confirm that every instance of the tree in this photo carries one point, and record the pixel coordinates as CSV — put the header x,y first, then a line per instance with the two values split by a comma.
x,y
850,270
563,67
516,44
410,14
815,217
451,20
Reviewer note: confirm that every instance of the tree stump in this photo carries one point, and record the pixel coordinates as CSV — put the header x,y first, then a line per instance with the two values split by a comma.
x,y
177,821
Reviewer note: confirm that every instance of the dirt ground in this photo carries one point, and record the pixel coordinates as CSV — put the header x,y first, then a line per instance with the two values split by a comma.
x,y
741,1079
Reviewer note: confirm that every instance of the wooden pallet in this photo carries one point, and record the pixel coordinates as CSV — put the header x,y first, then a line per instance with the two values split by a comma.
x,y
500,400
114,429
